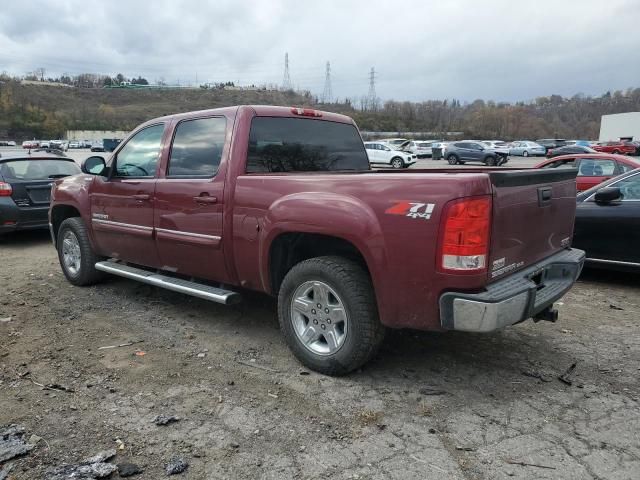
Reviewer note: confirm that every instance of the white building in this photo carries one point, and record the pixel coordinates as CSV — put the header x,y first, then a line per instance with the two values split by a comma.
x,y
620,126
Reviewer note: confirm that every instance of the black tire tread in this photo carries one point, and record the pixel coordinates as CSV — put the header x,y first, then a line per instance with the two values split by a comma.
x,y
362,305
88,273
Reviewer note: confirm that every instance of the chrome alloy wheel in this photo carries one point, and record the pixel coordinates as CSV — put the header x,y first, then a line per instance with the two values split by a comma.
x,y
319,318
71,255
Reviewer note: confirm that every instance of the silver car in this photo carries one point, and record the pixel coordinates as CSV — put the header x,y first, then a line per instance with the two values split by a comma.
x,y
525,148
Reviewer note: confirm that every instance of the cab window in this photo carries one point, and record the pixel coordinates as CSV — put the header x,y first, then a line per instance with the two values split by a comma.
x,y
197,148
596,168
139,157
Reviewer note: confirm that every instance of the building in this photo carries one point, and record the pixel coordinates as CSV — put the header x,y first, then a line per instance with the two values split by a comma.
x,y
95,135
620,126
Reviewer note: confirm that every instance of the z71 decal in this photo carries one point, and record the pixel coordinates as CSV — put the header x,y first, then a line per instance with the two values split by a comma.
x,y
412,210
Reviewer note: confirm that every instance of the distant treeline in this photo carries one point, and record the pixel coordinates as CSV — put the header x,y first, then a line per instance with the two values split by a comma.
x,y
44,111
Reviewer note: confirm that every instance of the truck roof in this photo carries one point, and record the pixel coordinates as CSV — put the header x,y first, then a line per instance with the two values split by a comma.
x,y
260,111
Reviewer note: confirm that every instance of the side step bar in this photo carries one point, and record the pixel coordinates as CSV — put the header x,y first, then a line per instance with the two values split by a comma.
x,y
194,289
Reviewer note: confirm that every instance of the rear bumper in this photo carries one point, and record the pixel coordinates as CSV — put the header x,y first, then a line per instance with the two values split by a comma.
x,y
519,296
14,218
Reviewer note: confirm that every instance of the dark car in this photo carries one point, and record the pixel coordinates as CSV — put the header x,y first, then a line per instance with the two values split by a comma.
x,y
471,151
97,147
25,187
551,143
608,223
568,150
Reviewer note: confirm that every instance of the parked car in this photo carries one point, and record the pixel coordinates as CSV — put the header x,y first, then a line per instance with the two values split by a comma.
x,y
383,154
608,223
422,148
550,143
97,147
74,144
568,149
393,141
282,201
627,148
44,144
527,148
593,169
7,143
25,183
498,146
30,144
459,153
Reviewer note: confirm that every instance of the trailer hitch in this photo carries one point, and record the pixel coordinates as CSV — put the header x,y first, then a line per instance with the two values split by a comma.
x,y
549,314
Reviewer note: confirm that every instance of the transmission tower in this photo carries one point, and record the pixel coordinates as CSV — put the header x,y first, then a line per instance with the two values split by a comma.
x,y
372,99
286,81
327,94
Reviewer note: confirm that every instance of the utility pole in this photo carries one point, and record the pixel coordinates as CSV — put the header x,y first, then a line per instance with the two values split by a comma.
x,y
327,94
372,99
286,81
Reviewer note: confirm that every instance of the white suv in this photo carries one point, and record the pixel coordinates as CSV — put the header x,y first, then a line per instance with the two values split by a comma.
x,y
382,153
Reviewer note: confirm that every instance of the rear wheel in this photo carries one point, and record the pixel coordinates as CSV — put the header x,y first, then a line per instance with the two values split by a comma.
x,y
525,154
452,159
490,161
396,162
328,315
75,253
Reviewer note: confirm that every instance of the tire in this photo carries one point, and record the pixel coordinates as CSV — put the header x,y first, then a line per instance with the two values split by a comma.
x,y
616,152
397,162
357,332
76,255
525,154
490,161
453,160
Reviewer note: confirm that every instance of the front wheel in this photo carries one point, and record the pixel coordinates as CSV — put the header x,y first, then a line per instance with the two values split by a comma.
x,y
490,161
397,162
328,315
75,253
525,154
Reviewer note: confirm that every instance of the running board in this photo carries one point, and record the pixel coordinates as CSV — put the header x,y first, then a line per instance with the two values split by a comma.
x,y
194,289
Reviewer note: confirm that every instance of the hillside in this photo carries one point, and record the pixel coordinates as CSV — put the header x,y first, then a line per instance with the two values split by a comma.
x,y
45,111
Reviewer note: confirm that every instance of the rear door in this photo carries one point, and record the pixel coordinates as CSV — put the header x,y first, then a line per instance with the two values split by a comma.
x,y
533,215
189,199
593,171
122,205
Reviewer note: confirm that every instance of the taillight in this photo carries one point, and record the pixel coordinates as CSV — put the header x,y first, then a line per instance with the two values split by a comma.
x,y
5,190
464,235
306,112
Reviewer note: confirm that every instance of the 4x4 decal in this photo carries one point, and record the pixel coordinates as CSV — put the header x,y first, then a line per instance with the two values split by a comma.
x,y
412,209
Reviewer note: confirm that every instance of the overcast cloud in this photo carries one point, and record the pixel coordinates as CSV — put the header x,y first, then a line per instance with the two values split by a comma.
x,y
465,49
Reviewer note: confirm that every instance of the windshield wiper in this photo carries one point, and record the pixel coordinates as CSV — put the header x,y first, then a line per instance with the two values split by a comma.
x,y
59,175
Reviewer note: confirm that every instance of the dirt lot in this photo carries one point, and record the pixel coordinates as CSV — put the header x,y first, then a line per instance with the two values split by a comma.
x,y
430,406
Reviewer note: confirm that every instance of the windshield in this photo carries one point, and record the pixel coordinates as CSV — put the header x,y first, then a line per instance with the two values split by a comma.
x,y
42,169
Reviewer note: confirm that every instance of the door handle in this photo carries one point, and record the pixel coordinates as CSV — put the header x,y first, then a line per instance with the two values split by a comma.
x,y
205,200
141,196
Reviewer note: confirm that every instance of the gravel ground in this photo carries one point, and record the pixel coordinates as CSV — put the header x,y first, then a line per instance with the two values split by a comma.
x,y
431,405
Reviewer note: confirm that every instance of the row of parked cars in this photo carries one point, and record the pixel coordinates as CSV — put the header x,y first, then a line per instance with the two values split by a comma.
x,y
63,145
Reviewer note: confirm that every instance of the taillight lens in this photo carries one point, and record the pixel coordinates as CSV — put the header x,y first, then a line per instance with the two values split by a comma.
x,y
5,189
464,235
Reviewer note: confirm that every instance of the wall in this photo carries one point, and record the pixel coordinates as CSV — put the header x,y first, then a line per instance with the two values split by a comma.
x,y
94,135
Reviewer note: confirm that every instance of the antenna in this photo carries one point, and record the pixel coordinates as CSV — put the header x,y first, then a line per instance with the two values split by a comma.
x,y
372,99
326,94
286,81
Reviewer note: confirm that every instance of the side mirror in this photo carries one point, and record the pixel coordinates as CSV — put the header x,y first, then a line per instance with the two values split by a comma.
x,y
95,165
608,195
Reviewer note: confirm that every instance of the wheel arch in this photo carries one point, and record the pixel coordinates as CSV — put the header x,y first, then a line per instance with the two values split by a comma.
x,y
59,213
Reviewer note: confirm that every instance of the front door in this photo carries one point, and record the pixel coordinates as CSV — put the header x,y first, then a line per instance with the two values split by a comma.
x,y
189,201
122,205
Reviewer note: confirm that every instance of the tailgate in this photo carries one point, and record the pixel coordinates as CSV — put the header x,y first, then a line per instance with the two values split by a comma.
x,y
533,216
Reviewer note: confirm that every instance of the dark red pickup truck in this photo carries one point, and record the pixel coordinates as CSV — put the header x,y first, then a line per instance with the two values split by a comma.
x,y
282,200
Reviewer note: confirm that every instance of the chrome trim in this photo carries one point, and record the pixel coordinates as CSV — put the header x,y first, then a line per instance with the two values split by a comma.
x,y
206,292
189,234
120,224
612,262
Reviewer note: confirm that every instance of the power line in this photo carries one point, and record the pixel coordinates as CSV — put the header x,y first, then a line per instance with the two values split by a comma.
x,y
327,95
286,81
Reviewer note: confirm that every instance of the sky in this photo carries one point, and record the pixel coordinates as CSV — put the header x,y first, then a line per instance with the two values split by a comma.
x,y
503,50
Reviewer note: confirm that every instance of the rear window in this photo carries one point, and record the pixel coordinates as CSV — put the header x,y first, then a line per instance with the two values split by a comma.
x,y
304,145
37,169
